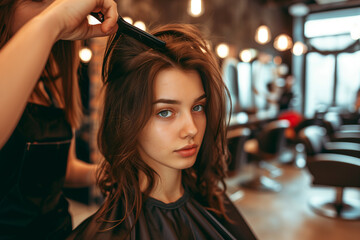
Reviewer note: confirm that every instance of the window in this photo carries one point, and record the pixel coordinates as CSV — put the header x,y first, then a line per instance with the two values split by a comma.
x,y
319,82
334,37
348,78
244,73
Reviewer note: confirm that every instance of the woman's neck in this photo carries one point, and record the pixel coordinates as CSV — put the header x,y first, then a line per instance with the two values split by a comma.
x,y
167,188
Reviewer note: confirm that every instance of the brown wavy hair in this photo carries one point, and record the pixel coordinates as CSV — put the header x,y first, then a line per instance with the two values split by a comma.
x,y
129,71
63,63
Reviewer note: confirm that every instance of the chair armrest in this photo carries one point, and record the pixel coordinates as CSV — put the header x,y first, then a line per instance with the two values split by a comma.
x,y
345,148
346,137
350,128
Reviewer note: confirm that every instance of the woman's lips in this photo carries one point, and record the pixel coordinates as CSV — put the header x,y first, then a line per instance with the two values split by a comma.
x,y
187,151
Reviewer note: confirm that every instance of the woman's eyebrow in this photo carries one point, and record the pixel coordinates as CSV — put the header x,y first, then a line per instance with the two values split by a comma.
x,y
201,97
171,101
168,101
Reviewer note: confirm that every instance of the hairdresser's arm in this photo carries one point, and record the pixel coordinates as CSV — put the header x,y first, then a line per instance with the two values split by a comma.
x,y
79,173
23,58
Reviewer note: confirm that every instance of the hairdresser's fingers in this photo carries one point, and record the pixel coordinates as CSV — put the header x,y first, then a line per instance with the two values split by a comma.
x,y
109,9
96,31
109,26
71,17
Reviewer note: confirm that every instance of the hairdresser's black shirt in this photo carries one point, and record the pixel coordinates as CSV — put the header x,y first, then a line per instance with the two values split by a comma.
x,y
32,172
184,219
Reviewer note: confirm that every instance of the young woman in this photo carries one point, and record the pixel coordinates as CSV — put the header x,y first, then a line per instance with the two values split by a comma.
x,y
40,107
163,139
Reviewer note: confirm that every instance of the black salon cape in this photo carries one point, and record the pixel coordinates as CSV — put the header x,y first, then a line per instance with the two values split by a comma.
x,y
183,219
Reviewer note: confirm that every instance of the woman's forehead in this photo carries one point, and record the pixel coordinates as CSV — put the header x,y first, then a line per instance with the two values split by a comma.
x,y
174,83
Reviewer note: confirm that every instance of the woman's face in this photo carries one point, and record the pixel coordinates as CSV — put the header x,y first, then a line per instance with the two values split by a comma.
x,y
172,137
26,10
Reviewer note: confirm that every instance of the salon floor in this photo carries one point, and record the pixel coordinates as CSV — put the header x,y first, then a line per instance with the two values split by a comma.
x,y
285,215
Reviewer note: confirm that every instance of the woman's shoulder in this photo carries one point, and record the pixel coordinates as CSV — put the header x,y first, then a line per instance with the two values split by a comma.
x,y
237,224
233,224
102,226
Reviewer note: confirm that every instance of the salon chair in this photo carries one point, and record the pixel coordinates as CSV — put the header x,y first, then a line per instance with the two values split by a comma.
x,y
329,166
264,148
236,139
339,132
316,141
308,122
351,118
347,117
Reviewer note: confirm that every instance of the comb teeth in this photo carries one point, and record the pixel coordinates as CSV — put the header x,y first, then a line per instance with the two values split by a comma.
x,y
140,35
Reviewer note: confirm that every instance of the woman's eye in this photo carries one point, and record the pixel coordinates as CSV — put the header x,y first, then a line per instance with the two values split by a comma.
x,y
198,108
165,113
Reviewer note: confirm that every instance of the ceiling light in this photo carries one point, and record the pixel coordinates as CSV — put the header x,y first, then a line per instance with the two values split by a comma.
x,y
247,55
282,42
299,49
222,50
141,25
128,20
262,35
85,54
195,8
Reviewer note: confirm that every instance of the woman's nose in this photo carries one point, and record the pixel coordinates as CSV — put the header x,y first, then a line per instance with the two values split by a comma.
x,y
189,128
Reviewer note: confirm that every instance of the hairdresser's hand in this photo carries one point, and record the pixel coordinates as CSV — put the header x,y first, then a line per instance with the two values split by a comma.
x,y
70,18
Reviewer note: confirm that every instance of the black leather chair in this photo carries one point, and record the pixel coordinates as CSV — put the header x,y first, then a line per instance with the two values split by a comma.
x,y
329,166
236,140
339,132
317,141
264,148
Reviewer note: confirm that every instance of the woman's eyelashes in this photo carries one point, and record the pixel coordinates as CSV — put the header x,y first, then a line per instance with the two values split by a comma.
x,y
167,113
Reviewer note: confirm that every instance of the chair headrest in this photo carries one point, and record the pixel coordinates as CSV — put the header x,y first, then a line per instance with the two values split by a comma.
x,y
313,138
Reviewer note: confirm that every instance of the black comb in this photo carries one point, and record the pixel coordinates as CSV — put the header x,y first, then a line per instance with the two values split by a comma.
x,y
134,32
